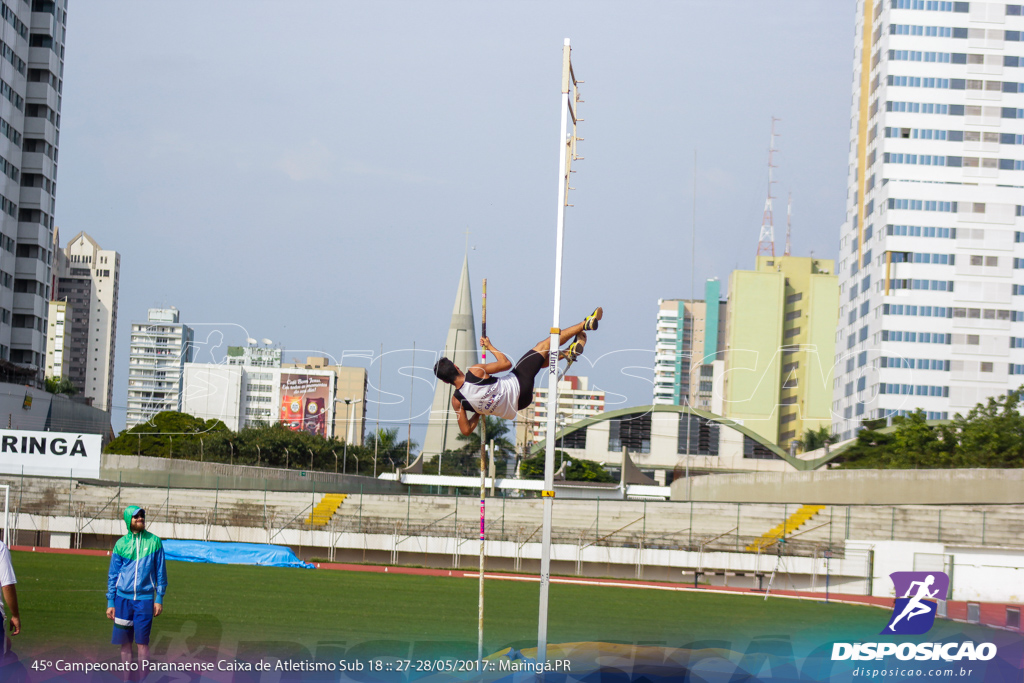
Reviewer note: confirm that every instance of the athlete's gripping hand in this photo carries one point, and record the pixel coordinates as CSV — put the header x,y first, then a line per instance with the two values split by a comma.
x,y
486,343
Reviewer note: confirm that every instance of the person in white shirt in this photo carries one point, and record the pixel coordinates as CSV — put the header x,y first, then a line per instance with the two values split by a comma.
x,y
7,582
478,392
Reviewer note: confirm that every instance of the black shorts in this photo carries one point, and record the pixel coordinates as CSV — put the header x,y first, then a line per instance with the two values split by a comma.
x,y
526,370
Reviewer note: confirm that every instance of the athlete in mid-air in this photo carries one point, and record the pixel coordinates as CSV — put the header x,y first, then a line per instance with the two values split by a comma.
x,y
916,606
480,393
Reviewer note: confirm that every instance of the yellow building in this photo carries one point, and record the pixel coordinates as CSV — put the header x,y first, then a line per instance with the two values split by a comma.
x,y
780,351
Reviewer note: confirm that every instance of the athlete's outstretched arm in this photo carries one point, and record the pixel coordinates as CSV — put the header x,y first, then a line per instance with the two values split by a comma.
x,y
501,362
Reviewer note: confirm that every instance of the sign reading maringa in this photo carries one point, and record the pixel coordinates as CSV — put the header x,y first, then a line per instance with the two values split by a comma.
x,y
50,453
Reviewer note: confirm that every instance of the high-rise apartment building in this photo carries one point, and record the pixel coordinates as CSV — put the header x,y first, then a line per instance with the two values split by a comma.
x,y
576,401
58,342
778,359
689,328
87,279
160,347
31,81
255,356
930,250
250,395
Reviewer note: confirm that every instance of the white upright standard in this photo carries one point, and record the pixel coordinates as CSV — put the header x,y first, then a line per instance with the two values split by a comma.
x,y
7,514
566,153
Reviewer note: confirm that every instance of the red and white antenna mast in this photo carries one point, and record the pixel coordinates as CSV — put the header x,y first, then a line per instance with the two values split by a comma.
x,y
766,244
789,222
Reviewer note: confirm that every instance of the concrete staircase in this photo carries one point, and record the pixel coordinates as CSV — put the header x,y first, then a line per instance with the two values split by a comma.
x,y
325,509
791,524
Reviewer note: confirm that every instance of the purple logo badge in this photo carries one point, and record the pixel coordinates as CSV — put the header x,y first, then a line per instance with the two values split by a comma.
x,y
916,601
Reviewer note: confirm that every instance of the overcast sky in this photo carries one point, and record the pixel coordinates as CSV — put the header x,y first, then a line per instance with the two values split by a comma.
x,y
306,172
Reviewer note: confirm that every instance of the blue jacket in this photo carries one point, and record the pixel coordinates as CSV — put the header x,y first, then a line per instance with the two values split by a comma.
x,y
137,567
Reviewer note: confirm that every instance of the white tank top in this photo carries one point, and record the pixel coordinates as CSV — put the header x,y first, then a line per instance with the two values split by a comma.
x,y
492,396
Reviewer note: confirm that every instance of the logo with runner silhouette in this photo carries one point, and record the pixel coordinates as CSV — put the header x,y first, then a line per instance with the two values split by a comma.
x,y
914,612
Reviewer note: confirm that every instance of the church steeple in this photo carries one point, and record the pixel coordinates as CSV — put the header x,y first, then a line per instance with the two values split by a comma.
x,y
460,346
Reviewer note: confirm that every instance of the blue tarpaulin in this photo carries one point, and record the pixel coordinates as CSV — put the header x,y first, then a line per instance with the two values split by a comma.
x,y
232,553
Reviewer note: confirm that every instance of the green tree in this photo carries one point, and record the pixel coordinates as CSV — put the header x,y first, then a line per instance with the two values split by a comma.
x,y
62,386
182,436
818,438
167,434
390,452
990,435
578,469
497,431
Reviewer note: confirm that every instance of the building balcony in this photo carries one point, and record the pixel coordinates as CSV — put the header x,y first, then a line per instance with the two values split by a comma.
x,y
33,233
41,93
37,162
30,304
35,198
24,338
43,58
38,127
31,268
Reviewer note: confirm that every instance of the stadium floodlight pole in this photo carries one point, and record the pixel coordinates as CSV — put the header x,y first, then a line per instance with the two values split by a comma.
x,y
566,148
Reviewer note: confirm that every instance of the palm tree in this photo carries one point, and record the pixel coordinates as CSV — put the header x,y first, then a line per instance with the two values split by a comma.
x,y
387,446
62,385
818,438
496,429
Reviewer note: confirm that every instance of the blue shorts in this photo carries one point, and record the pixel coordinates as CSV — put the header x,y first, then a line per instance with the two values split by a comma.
x,y
132,620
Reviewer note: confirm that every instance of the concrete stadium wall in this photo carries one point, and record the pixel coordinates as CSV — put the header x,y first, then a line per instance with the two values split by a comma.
x,y
856,487
161,472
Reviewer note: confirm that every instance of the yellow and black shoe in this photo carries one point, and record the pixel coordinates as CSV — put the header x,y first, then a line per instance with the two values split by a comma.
x,y
590,322
575,349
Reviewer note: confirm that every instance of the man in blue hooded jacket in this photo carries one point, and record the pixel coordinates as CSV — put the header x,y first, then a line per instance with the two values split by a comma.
x,y
136,584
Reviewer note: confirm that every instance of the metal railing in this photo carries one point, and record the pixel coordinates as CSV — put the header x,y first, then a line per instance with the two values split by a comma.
x,y
703,527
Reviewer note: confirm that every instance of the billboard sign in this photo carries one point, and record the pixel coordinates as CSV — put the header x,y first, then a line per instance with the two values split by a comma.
x,y
306,402
50,454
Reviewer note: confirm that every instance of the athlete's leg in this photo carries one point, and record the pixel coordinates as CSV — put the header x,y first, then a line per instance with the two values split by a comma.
x,y
544,346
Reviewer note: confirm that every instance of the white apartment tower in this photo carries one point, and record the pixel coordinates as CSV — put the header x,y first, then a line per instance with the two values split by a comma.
x,y
576,401
87,279
930,294
160,347
31,79
690,329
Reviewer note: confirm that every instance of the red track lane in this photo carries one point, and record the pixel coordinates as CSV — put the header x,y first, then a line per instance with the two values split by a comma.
x,y
60,551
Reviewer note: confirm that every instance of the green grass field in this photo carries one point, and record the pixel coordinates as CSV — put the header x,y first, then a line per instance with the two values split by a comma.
x,y
221,607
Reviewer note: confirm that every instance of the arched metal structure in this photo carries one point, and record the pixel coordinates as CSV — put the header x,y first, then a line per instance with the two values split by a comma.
x,y
796,463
